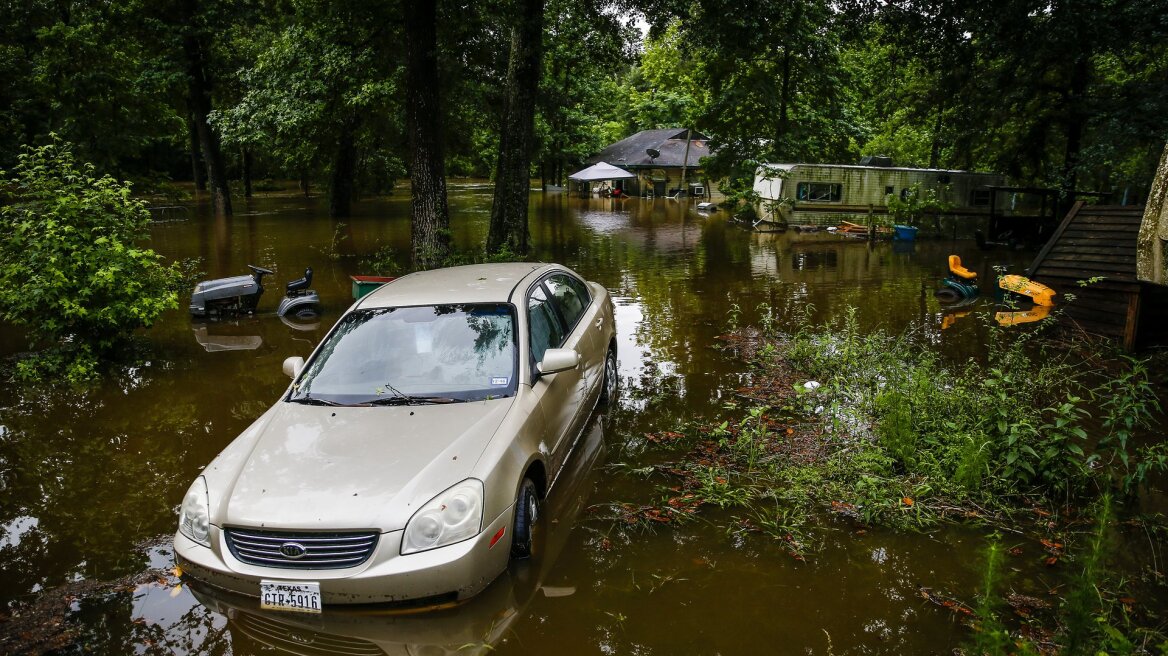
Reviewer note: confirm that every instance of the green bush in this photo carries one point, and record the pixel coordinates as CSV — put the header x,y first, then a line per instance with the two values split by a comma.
x,y
72,270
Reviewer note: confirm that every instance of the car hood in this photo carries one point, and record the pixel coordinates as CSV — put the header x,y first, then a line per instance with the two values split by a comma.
x,y
319,467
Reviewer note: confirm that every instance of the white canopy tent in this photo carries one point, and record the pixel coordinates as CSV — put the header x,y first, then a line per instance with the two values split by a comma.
x,y
601,171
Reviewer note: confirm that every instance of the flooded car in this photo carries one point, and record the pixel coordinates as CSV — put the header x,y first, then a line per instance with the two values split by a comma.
x,y
476,626
409,458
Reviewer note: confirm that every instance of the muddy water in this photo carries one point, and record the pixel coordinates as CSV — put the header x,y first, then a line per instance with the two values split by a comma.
x,y
89,480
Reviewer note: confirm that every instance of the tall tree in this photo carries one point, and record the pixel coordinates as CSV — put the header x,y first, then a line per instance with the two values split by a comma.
x,y
196,48
516,132
322,97
430,226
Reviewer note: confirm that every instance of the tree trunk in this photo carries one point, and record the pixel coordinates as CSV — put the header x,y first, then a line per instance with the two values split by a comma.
x,y
246,166
1076,123
199,99
935,152
341,185
516,133
198,173
430,226
785,93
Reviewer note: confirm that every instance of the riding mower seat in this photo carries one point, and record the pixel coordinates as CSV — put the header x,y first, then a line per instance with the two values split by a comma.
x,y
956,269
298,287
960,286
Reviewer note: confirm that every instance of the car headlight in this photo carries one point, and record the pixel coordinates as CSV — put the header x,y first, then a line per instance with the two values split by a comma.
x,y
453,516
194,521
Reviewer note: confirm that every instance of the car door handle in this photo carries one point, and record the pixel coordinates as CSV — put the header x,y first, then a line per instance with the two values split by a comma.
x,y
599,323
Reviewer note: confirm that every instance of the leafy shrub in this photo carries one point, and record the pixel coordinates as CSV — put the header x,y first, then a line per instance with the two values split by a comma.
x,y
71,268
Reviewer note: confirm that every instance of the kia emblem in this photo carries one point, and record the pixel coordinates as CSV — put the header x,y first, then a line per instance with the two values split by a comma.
x,y
293,550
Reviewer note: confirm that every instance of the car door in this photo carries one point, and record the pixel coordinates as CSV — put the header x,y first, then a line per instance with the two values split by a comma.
x,y
573,300
559,393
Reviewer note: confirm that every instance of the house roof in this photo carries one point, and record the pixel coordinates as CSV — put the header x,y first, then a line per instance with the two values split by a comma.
x,y
632,152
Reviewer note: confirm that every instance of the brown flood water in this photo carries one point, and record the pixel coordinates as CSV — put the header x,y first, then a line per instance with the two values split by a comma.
x,y
87,479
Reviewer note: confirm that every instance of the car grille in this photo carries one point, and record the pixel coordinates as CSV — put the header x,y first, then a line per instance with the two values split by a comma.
x,y
318,550
302,641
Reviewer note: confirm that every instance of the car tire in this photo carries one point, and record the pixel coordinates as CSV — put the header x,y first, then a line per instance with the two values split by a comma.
x,y
610,383
527,511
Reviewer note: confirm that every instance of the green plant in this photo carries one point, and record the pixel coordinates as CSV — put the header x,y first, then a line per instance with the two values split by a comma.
x,y
915,202
895,426
715,488
382,262
734,314
990,635
766,318
72,270
333,250
1129,405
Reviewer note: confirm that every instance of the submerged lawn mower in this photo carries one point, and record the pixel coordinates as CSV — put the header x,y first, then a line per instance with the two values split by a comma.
x,y
241,294
960,285
959,290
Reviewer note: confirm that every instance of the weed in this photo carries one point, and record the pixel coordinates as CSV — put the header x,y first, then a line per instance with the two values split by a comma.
x,y
714,488
383,262
733,314
990,636
1129,404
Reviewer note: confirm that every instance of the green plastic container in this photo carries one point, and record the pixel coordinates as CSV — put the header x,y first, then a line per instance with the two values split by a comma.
x,y
362,285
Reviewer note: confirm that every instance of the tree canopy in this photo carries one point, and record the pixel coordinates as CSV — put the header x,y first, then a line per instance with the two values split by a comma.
x,y
1065,93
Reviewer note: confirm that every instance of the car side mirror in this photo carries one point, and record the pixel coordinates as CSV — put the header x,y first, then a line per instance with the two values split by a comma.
x,y
293,365
559,359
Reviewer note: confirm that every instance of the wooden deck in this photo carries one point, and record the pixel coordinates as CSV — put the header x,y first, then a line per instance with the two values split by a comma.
x,y
1099,242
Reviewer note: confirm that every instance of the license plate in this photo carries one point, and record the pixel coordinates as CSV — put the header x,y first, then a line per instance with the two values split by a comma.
x,y
295,597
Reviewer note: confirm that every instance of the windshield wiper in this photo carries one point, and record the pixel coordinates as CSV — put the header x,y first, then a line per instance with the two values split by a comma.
x,y
308,400
406,399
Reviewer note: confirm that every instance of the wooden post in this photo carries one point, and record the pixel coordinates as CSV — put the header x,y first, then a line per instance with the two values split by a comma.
x,y
684,163
871,223
1131,327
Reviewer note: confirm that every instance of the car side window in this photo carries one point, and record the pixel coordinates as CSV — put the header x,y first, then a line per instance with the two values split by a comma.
x,y
569,295
546,331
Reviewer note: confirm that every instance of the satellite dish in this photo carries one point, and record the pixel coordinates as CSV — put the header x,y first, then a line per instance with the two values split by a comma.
x,y
653,153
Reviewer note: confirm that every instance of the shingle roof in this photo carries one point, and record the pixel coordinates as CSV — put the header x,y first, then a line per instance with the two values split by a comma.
x,y
630,152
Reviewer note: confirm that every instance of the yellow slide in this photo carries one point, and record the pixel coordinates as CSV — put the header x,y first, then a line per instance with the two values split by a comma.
x,y
1036,313
1041,294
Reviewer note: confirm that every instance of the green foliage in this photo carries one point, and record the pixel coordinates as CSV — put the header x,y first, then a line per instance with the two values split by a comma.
x,y
72,269
915,202
914,432
1129,405
383,262
895,427
990,635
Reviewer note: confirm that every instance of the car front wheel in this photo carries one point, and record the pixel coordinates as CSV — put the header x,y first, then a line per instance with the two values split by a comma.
x,y
527,507
608,386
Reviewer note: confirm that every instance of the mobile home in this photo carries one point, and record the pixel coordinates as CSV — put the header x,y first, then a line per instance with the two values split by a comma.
x,y
827,194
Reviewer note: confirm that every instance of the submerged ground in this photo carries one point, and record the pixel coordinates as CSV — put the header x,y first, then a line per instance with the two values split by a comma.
x,y
90,480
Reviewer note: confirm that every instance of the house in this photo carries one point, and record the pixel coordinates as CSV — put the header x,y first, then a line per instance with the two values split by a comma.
x,y
661,160
827,194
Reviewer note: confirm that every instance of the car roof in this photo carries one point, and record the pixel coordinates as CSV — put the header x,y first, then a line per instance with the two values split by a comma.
x,y
475,283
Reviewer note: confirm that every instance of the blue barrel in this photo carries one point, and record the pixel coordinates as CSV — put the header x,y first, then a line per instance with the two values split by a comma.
x,y
906,233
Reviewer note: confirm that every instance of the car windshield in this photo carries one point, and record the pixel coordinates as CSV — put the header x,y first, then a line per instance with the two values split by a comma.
x,y
418,354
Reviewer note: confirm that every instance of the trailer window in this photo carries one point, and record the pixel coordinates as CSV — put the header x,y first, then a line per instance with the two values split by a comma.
x,y
980,197
819,192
